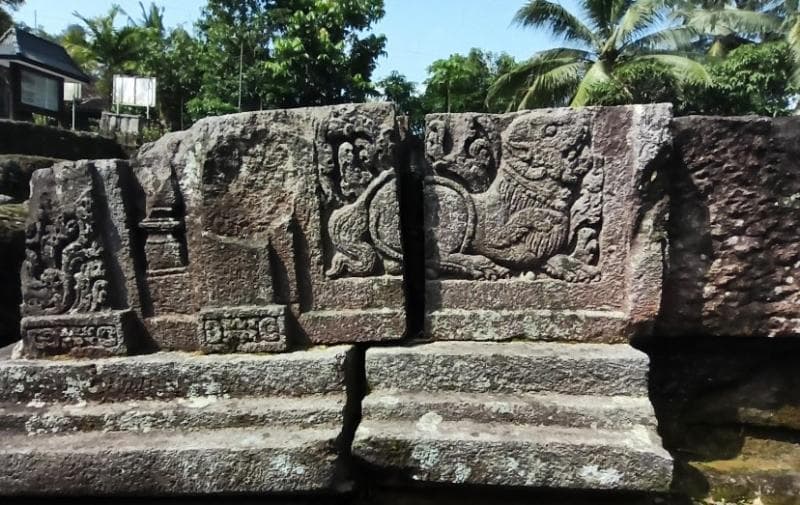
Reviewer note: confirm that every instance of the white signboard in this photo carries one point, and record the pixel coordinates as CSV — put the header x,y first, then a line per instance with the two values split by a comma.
x,y
39,91
72,91
134,91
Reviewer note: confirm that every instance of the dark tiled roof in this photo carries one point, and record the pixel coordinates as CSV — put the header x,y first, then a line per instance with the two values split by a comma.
x,y
19,45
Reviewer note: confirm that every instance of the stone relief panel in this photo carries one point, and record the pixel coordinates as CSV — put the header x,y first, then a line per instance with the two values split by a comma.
x,y
72,302
64,270
358,180
544,224
531,208
297,208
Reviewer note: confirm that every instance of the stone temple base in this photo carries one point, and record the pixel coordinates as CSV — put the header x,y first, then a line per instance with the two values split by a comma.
x,y
513,414
173,423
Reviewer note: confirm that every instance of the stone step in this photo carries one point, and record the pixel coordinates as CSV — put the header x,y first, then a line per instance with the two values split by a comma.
x,y
199,413
263,460
510,367
433,450
164,376
579,411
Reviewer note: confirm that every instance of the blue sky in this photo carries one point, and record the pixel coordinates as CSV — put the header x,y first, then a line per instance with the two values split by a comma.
x,y
418,31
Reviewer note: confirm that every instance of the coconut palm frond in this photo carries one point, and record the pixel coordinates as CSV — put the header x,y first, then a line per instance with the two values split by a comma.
x,y
668,39
597,73
521,76
554,87
682,67
639,16
556,18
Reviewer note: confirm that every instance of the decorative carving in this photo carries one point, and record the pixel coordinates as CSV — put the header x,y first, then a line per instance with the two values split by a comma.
x,y
540,214
92,334
163,248
358,181
64,270
474,162
243,329
73,301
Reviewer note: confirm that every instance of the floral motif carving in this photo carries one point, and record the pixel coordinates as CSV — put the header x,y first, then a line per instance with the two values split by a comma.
x,y
64,270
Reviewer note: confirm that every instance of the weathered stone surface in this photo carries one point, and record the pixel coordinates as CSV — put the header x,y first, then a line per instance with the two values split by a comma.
x,y
106,333
23,137
174,424
243,329
765,470
167,462
513,368
730,415
545,224
173,375
296,207
513,414
734,247
78,278
509,455
573,411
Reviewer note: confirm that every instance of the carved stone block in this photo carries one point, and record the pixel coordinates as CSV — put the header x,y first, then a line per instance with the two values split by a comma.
x,y
80,335
243,329
78,277
542,225
297,207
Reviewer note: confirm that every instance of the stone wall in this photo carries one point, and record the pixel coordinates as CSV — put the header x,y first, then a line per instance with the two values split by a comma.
x,y
312,303
20,137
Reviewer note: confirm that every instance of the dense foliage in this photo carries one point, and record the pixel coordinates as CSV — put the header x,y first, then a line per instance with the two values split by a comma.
x,y
704,56
5,17
709,56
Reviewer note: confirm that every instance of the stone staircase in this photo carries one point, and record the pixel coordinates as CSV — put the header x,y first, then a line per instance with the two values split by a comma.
x,y
174,423
514,414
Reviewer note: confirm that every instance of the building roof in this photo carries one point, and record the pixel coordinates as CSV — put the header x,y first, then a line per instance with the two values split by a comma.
x,y
18,45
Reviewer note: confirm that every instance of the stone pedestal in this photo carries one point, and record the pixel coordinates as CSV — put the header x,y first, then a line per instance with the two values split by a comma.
x,y
513,414
174,424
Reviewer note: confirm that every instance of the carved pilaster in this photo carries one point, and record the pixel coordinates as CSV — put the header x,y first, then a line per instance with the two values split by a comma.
x,y
71,304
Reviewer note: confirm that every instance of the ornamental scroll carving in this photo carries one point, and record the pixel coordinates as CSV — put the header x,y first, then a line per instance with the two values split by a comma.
x,y
64,270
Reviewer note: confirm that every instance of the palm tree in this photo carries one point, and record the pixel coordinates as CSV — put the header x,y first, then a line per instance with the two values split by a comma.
x,y
725,25
789,11
615,33
114,50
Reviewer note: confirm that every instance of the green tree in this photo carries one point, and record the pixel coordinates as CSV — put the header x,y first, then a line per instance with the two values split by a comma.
x,y
398,89
111,50
752,79
288,52
639,82
5,18
724,25
789,10
613,35
320,52
460,83
234,39
172,56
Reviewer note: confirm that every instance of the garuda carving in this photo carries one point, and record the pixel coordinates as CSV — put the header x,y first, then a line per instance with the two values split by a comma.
x,y
358,182
540,212
63,271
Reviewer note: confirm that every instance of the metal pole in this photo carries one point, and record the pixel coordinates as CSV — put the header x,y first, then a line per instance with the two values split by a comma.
x,y
73,112
241,59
